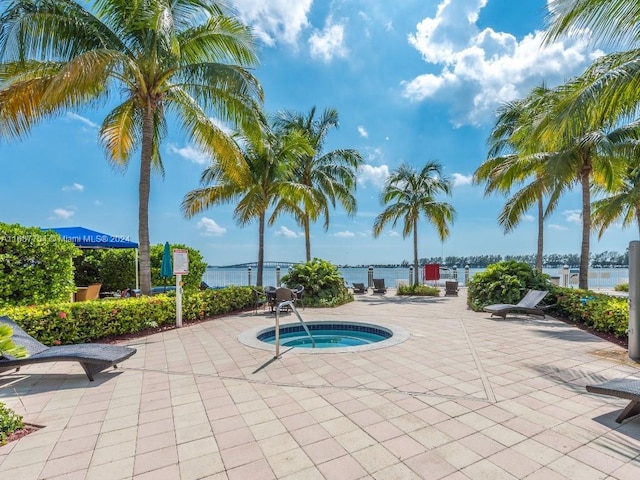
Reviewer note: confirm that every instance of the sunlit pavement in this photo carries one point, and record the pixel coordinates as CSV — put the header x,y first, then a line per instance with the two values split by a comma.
x,y
465,396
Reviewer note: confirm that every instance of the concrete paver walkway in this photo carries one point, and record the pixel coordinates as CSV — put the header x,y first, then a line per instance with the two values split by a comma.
x,y
466,396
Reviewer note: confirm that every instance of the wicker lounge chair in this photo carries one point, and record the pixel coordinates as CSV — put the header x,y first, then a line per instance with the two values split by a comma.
x,y
93,357
378,285
530,304
359,288
628,388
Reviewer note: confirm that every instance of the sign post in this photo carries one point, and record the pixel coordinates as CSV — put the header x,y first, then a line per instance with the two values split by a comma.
x,y
180,267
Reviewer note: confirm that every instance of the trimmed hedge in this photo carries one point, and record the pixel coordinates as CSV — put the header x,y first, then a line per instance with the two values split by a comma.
x,y
601,312
81,322
420,290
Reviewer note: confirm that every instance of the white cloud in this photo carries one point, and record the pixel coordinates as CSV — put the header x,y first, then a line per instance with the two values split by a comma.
x,y
393,233
528,218
275,20
329,42
573,216
363,132
86,121
480,70
555,226
74,187
459,179
62,214
285,232
345,234
209,228
190,153
374,175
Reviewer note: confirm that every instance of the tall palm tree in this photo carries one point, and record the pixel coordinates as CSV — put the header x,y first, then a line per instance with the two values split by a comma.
x,y
266,182
409,195
513,159
186,58
330,177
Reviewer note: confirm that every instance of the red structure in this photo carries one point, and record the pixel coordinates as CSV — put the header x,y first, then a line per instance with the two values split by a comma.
x,y
431,272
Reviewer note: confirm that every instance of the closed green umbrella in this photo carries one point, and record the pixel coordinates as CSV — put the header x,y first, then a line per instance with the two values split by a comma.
x,y
166,269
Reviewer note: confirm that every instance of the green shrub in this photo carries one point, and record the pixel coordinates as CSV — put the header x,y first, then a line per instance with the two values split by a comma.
x,y
10,421
81,322
322,282
423,290
621,287
601,312
115,268
35,266
504,282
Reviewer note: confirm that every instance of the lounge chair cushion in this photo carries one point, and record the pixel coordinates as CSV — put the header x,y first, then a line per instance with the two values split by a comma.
x,y
93,357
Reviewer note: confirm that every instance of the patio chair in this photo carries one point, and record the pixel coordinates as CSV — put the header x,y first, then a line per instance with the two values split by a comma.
x,y
628,388
451,288
283,294
359,288
259,300
378,285
92,292
299,295
93,357
530,304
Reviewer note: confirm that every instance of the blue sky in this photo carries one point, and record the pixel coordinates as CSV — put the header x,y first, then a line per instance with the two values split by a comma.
x,y
413,81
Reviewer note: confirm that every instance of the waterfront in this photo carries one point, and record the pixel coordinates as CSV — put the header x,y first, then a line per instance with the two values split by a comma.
x,y
599,278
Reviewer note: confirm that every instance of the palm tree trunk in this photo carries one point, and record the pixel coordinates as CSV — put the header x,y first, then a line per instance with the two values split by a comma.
x,y
415,253
540,235
260,249
583,277
307,236
144,189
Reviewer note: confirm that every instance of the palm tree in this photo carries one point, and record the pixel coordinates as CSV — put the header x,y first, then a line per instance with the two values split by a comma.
x,y
266,181
512,160
330,176
186,58
412,194
623,204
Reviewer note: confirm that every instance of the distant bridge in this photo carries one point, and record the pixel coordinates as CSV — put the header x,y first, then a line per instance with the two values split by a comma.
x,y
267,264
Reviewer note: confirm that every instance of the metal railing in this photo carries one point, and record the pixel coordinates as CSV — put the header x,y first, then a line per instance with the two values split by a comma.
x,y
289,304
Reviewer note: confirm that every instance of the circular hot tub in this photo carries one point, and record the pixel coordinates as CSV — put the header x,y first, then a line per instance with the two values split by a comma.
x,y
326,336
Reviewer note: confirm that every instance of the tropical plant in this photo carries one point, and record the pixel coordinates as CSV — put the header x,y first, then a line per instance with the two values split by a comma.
x,y
410,194
322,282
330,177
10,421
186,58
504,282
35,266
266,182
513,159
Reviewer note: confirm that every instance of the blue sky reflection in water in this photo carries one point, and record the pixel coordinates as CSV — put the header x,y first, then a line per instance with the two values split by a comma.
x,y
413,81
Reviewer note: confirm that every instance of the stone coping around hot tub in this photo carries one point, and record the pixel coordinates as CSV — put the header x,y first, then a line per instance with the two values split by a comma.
x,y
250,338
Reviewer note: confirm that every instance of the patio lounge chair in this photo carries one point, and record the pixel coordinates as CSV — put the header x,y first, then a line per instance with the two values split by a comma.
x,y
93,357
628,388
378,285
451,288
529,305
359,288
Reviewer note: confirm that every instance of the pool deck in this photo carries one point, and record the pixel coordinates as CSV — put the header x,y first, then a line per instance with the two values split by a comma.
x,y
466,396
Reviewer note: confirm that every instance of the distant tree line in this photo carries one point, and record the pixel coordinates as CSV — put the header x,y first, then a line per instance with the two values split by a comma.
x,y
602,260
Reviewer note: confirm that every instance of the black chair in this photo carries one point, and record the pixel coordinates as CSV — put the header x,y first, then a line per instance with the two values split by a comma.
x,y
359,288
299,293
270,294
283,294
259,300
93,357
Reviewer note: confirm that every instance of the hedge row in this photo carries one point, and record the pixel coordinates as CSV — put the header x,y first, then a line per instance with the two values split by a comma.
x,y
69,323
604,313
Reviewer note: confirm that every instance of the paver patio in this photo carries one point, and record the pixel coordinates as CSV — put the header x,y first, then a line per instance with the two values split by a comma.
x,y
466,396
